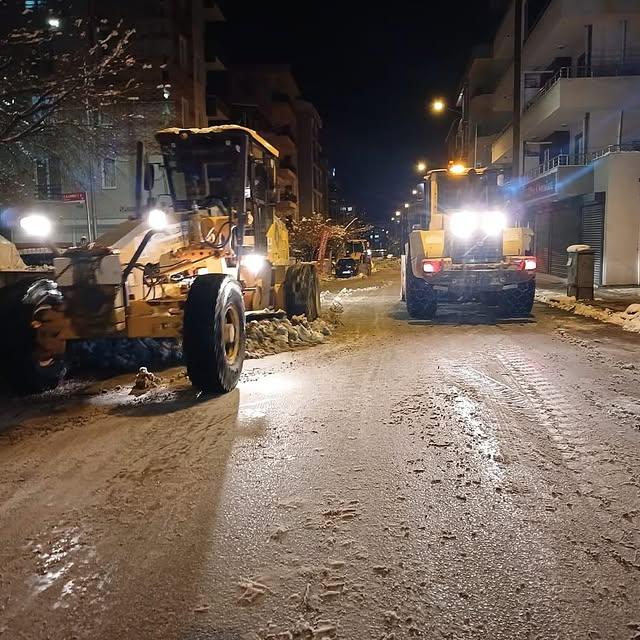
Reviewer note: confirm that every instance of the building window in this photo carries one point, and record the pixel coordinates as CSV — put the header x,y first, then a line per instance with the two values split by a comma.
x,y
183,52
48,178
184,104
109,177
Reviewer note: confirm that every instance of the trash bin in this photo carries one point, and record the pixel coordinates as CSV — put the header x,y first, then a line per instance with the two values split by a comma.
x,y
580,272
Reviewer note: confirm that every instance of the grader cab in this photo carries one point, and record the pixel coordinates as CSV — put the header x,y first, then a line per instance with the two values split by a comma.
x,y
193,273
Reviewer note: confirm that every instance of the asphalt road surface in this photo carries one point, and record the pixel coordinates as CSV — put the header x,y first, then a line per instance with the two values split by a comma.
x,y
464,478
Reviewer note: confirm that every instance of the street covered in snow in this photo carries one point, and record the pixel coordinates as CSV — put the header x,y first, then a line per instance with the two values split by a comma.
x,y
461,478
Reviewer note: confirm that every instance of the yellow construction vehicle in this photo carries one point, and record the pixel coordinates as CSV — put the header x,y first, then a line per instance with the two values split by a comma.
x,y
360,251
194,273
466,246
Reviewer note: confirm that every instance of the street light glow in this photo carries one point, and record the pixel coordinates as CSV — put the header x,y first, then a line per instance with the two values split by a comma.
x,y
438,105
457,168
421,167
406,205
414,192
397,214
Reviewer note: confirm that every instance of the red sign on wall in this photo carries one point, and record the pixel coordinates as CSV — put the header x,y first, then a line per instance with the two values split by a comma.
x,y
78,196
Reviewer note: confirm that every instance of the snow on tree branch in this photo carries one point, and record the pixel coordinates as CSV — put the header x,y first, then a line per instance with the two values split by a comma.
x,y
67,86
307,234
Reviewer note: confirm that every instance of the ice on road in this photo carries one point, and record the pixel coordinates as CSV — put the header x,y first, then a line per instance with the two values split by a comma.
x,y
463,478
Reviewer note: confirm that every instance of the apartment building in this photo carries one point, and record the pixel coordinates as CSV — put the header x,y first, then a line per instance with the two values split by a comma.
x,y
168,47
312,175
580,129
266,97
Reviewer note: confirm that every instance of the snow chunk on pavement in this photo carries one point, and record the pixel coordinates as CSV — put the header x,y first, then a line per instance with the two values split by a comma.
x,y
629,319
268,337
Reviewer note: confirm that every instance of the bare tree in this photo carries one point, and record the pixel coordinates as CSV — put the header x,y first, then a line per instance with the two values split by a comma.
x,y
309,235
69,88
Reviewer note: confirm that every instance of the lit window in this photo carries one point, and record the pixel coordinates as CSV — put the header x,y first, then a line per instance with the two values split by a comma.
x,y
109,178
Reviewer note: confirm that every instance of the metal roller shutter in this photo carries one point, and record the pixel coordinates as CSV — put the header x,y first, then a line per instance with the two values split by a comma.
x,y
565,231
593,232
542,229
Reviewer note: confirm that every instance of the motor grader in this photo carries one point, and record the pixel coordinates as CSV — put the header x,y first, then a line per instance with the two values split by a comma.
x,y
195,273
466,247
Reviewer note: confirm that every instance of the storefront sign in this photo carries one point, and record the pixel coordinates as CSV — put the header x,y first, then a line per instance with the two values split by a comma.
x,y
541,187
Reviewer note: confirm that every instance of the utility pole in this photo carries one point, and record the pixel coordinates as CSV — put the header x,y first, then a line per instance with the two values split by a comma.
x,y
518,24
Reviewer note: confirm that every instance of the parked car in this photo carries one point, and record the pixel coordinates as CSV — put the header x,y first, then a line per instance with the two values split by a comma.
x,y
347,268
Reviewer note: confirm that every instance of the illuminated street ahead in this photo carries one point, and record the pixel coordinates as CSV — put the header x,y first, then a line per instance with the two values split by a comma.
x,y
405,480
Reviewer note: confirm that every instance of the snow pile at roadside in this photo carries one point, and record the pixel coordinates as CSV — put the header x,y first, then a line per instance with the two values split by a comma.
x,y
330,296
629,319
268,337
387,264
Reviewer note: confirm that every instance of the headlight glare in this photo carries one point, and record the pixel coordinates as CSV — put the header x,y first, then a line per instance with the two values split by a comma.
x,y
253,262
157,219
464,223
36,224
493,222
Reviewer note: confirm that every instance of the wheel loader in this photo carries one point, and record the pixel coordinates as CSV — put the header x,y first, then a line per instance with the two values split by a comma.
x,y
465,246
195,273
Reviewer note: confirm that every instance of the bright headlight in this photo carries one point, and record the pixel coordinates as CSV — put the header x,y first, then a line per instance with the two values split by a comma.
x,y
157,219
464,223
493,222
35,224
253,262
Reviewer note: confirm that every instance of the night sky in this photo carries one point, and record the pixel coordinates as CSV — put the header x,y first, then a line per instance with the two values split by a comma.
x,y
370,70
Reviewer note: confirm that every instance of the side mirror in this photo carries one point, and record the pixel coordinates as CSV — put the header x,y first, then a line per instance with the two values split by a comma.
x,y
149,177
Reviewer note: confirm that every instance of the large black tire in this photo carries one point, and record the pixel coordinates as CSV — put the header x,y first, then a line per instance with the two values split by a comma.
x,y
23,366
420,296
302,291
517,303
214,333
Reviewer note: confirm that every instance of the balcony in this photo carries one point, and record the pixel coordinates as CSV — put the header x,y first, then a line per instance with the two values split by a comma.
x,y
560,177
287,171
287,207
288,195
604,68
282,139
601,89
568,175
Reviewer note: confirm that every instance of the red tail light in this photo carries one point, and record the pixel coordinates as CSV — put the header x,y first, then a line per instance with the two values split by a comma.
x,y
431,266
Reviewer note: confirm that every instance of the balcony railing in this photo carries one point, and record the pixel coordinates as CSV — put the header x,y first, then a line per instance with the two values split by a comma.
x,y
562,160
614,148
582,159
603,68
